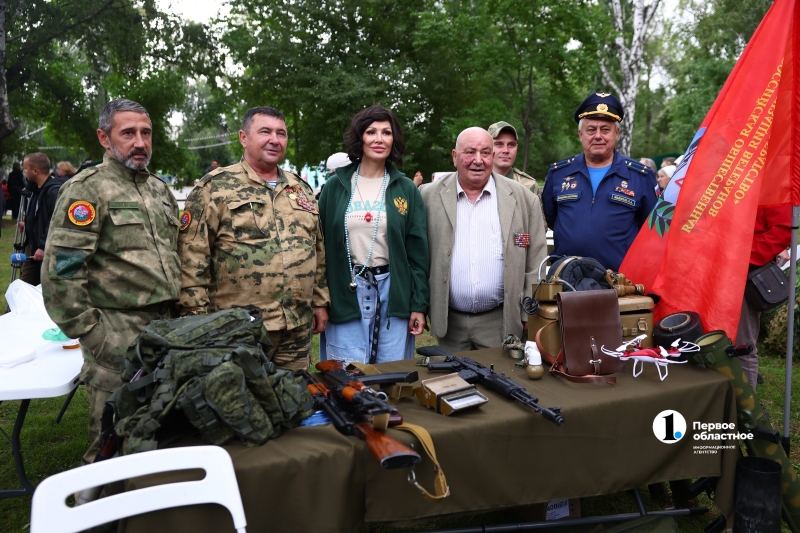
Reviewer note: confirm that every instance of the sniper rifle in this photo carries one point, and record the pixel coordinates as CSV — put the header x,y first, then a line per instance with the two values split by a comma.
x,y
472,371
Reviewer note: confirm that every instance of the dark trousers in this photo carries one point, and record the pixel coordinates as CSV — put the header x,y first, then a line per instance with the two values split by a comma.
x,y
14,206
31,270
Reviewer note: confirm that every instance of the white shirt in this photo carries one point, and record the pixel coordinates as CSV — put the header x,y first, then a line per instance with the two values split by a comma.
x,y
476,265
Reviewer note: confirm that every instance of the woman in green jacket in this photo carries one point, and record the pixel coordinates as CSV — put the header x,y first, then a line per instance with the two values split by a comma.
x,y
376,247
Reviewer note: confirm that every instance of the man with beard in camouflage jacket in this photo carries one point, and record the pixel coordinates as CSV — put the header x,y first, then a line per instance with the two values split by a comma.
x,y
110,264
251,235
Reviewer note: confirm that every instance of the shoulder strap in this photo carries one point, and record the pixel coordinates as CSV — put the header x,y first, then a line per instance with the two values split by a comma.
x,y
557,363
561,164
439,481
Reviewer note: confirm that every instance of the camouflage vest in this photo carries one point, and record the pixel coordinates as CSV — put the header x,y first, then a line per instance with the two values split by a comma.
x,y
206,374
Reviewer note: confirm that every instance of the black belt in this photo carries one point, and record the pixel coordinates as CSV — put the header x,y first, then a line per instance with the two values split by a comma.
x,y
478,313
375,271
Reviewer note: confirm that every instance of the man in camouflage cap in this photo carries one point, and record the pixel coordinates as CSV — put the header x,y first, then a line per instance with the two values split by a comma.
x,y
251,235
505,141
110,265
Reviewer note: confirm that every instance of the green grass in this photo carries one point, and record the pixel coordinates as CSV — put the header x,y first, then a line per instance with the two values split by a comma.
x,y
50,448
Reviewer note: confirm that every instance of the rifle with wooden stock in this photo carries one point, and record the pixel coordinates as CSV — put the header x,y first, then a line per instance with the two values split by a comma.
x,y
349,406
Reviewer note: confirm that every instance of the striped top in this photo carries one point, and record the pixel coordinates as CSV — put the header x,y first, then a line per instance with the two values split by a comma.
x,y
476,266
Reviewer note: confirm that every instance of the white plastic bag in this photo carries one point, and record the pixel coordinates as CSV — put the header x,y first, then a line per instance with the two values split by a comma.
x,y
21,329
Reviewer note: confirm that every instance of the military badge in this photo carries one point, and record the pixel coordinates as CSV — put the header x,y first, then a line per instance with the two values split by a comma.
x,y
186,219
81,213
602,107
523,240
305,204
401,204
603,95
574,184
624,184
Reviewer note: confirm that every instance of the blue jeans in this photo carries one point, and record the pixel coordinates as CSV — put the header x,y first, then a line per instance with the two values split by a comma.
x,y
354,340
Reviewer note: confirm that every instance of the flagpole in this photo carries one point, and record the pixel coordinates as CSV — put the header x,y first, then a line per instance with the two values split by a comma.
x,y
787,395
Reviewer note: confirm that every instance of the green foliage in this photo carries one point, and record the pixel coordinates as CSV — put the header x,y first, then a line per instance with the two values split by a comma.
x,y
65,60
441,66
705,52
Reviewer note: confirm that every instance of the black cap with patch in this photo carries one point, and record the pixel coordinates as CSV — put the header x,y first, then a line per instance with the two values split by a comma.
x,y
600,105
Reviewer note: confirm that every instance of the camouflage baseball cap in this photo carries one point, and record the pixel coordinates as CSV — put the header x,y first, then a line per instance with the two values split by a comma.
x,y
496,128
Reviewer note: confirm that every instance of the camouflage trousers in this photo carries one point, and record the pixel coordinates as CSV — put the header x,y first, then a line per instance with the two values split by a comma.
x,y
291,349
103,354
97,400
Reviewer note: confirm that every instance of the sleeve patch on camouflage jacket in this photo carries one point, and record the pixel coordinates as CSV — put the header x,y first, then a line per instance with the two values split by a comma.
x,y
69,261
79,214
186,219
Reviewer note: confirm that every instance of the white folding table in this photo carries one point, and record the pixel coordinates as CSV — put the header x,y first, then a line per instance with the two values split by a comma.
x,y
54,371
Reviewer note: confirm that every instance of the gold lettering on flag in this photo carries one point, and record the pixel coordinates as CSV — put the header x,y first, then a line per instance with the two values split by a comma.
x,y
751,141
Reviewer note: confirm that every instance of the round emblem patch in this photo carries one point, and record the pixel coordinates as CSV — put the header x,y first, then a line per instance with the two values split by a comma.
x,y
186,219
602,107
81,213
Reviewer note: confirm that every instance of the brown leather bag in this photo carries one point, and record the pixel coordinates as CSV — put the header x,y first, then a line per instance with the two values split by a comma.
x,y
589,320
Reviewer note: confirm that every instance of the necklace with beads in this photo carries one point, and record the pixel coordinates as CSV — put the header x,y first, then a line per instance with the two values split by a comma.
x,y
353,286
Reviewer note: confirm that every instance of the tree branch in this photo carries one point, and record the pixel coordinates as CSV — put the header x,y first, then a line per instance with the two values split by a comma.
x,y
607,75
21,52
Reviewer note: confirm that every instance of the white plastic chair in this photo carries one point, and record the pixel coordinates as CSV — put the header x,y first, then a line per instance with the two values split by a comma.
x,y
50,513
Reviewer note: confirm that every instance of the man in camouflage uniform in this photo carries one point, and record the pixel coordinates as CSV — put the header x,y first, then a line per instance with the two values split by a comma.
x,y
504,138
110,265
251,235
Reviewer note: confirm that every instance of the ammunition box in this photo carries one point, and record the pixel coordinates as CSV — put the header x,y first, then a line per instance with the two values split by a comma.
x,y
449,394
636,316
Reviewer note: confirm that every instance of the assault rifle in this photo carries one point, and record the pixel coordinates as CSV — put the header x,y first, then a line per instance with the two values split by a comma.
x,y
334,370
347,407
472,371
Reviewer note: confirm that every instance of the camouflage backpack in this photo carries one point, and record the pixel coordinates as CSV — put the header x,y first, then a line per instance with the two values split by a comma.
x,y
206,374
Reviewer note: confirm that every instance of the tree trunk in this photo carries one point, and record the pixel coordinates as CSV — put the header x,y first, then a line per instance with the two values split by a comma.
x,y
630,63
7,124
526,119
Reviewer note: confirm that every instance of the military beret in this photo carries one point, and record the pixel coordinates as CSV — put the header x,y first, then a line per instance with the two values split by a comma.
x,y
600,105
497,128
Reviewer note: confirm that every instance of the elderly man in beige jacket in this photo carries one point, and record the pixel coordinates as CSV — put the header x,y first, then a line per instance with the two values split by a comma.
x,y
487,237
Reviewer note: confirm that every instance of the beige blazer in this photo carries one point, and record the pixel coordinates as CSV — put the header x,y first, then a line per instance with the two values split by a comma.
x,y
520,212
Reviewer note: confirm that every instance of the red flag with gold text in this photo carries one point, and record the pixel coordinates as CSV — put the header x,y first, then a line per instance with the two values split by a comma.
x,y
694,249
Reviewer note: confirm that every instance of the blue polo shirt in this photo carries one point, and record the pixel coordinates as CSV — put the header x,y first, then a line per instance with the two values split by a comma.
x,y
602,221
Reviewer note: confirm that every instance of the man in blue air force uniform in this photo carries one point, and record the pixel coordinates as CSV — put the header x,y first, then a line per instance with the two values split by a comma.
x,y
596,201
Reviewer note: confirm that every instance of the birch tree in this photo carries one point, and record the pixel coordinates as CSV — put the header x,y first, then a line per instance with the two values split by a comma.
x,y
627,48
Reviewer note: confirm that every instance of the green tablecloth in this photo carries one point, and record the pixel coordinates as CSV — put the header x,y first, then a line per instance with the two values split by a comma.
x,y
500,455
